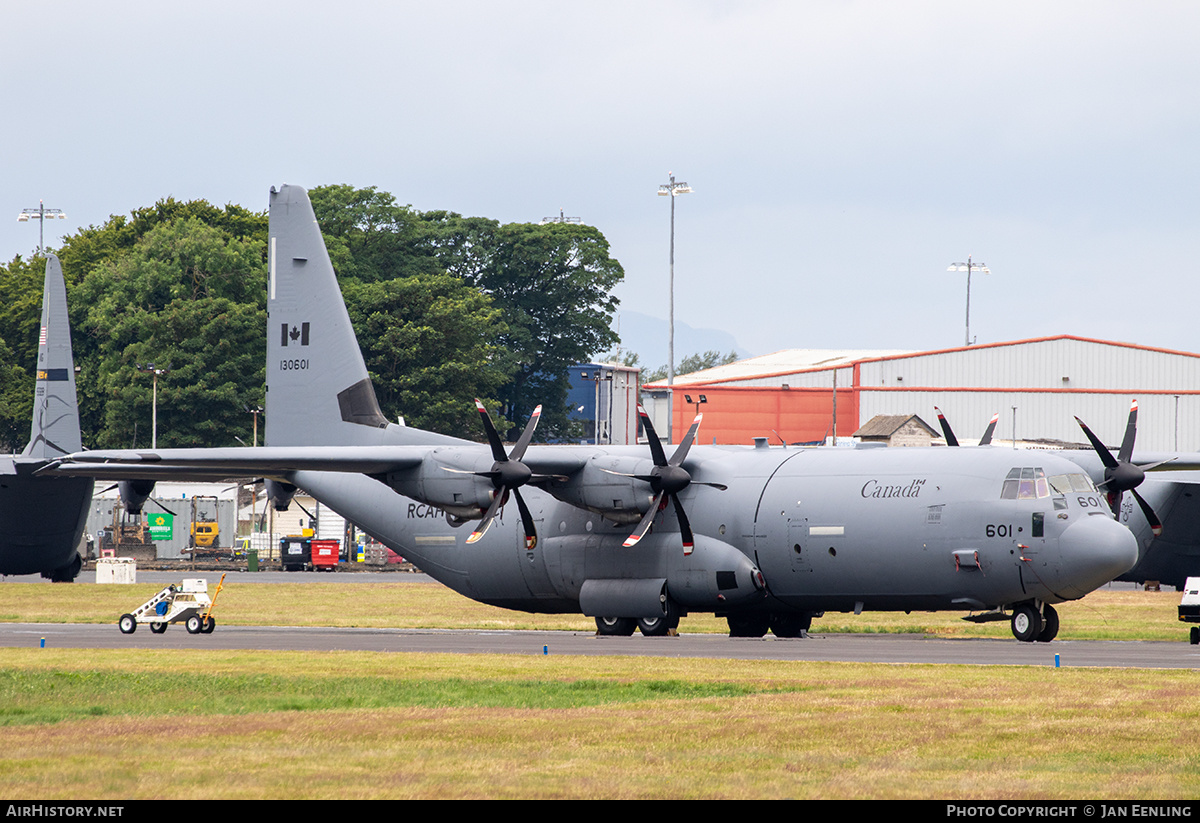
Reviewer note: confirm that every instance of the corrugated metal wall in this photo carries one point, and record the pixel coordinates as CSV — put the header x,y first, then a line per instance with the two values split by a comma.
x,y
1049,381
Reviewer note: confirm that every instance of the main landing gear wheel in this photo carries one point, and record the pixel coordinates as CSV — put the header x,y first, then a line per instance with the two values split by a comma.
x,y
1049,624
193,625
657,626
790,625
748,625
615,626
158,628
128,624
1026,623
209,625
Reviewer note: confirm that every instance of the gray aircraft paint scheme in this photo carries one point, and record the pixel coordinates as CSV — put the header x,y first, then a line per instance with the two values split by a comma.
x,y
794,533
43,517
1171,488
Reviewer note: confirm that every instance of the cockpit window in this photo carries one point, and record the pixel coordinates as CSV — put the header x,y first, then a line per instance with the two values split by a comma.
x,y
1026,483
1067,483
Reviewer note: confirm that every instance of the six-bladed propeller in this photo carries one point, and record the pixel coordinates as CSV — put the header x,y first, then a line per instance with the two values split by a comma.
x,y
1120,474
667,479
507,474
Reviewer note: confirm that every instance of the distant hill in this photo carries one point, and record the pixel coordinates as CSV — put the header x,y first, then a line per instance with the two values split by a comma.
x,y
647,336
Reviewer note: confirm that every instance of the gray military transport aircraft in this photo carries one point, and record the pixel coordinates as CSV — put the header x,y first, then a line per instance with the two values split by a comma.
x,y
1164,516
44,517
769,538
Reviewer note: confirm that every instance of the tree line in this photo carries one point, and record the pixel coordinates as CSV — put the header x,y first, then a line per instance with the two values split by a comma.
x,y
447,308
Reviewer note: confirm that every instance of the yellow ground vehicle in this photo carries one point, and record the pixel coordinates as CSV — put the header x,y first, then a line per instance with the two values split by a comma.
x,y
205,534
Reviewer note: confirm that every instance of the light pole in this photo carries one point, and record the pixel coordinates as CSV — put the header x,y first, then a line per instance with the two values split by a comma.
x,y
968,267
41,214
672,190
256,411
156,371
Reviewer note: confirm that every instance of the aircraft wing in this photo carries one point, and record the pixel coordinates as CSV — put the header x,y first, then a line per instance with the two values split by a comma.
x,y
276,461
261,461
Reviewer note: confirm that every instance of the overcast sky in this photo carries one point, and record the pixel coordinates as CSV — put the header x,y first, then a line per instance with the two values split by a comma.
x,y
842,154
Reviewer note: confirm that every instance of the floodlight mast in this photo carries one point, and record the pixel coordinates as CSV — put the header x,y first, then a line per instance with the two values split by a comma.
x,y
968,267
41,214
672,190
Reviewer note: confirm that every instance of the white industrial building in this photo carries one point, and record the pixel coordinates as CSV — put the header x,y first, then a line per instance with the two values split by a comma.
x,y
1037,386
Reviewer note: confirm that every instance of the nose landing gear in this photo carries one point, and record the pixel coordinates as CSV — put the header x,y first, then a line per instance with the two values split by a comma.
x,y
1029,624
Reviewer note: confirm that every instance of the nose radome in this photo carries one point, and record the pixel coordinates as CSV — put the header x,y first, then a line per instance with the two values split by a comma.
x,y
1094,550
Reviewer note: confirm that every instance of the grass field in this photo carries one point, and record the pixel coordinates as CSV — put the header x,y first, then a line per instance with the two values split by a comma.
x,y
131,724
156,724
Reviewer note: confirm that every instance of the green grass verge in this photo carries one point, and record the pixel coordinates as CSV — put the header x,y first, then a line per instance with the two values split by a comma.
x,y
125,724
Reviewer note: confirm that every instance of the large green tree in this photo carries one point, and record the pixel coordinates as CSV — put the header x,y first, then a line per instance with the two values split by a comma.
x,y
553,284
430,345
187,294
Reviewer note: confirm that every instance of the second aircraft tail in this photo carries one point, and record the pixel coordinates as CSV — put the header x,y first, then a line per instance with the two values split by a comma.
x,y
55,429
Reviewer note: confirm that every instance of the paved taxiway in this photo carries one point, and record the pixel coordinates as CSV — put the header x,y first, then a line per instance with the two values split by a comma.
x,y
885,648
832,647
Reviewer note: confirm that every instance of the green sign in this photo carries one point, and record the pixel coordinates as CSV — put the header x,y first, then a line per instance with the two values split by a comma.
x,y
161,525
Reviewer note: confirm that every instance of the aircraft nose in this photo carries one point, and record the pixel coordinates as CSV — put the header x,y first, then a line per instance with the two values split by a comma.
x,y
1094,550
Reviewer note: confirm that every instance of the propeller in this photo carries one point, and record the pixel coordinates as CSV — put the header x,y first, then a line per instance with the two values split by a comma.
x,y
667,479
507,474
1120,474
951,440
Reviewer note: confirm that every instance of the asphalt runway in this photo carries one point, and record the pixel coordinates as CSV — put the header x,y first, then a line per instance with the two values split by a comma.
x,y
831,647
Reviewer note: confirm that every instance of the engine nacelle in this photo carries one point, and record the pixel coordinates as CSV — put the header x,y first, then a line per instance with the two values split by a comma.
x,y
135,493
280,494
444,480
614,497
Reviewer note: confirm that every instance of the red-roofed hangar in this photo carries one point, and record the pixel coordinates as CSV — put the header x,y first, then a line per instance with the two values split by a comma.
x,y
790,395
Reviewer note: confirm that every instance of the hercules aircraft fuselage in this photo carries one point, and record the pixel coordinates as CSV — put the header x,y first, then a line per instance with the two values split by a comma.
x,y
803,530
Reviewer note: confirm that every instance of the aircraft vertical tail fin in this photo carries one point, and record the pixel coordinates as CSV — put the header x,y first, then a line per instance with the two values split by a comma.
x,y
318,389
55,429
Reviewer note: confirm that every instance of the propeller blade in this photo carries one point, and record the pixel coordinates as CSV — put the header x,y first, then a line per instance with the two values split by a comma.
x,y
989,431
526,521
1151,517
656,449
685,528
644,524
686,444
1106,457
951,440
493,436
1130,433
488,517
161,506
523,443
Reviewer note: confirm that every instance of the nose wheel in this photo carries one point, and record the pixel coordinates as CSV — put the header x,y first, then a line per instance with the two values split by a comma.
x,y
1029,625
